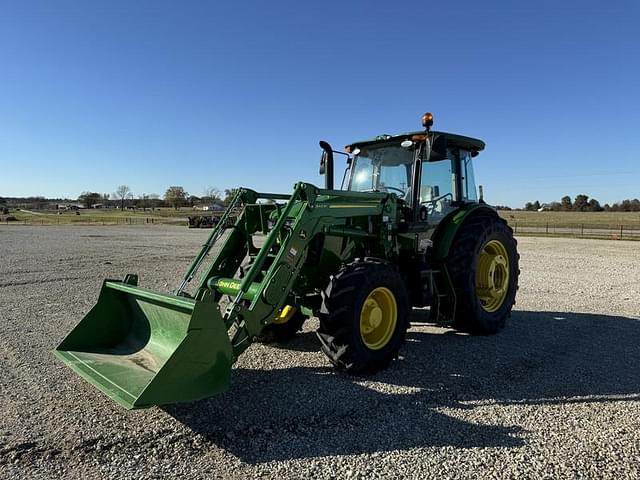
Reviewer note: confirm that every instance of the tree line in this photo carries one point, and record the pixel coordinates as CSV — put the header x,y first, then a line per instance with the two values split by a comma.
x,y
123,197
582,203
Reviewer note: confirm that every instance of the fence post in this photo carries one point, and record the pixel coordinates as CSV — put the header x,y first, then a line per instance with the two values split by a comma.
x,y
621,232
582,229
547,228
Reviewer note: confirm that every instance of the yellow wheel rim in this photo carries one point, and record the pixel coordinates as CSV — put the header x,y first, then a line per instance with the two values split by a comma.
x,y
492,275
378,318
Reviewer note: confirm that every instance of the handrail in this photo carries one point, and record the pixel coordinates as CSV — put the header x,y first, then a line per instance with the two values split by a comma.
x,y
248,279
208,245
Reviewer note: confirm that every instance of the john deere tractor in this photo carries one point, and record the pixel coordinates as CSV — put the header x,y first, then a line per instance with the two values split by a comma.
x,y
405,229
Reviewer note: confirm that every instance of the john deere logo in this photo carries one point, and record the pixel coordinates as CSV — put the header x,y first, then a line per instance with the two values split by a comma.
x,y
229,284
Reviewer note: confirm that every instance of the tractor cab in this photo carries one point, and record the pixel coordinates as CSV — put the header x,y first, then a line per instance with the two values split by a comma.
x,y
431,172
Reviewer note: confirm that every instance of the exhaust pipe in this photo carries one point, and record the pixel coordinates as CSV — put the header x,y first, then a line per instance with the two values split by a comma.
x,y
326,164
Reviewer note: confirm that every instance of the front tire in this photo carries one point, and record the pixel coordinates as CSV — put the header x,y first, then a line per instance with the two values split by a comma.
x,y
364,317
483,265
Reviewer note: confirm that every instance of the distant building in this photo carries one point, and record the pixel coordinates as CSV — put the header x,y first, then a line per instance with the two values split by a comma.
x,y
212,208
63,206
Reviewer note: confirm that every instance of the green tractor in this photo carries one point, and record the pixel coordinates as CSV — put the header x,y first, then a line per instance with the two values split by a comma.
x,y
406,229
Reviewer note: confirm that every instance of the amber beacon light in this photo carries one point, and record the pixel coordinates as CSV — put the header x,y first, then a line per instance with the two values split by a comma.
x,y
427,120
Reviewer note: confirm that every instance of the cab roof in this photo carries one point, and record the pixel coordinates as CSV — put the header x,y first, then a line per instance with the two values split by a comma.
x,y
453,140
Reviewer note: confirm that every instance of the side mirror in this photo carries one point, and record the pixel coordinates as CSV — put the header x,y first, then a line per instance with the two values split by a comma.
x,y
323,163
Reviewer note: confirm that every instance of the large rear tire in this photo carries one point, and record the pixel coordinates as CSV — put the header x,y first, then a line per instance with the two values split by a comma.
x,y
364,317
483,265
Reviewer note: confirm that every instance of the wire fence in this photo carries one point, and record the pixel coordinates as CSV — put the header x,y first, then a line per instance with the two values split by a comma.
x,y
584,230
612,232
51,220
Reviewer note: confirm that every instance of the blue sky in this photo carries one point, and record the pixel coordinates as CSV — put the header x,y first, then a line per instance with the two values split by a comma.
x,y
151,94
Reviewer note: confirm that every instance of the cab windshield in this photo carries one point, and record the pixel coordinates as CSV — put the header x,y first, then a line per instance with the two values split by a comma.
x,y
382,168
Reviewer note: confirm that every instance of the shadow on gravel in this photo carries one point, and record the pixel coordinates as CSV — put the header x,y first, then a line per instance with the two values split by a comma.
x,y
540,358
303,342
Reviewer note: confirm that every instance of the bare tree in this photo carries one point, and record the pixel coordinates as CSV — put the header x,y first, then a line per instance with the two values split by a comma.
x,y
89,199
143,201
229,193
122,193
154,200
175,196
212,195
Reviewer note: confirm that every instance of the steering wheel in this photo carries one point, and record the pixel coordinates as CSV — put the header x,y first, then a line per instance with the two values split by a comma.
x,y
384,188
442,197
433,203
402,192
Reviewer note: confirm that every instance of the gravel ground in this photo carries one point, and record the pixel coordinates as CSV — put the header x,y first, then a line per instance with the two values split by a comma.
x,y
556,394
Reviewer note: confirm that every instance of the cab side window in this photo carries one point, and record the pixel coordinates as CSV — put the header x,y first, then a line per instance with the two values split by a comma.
x,y
436,189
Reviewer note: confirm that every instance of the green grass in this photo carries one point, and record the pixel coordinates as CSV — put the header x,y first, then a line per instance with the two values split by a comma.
x,y
572,219
593,220
106,217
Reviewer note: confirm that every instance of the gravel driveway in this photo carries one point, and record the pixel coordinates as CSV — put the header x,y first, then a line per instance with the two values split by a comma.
x,y
556,394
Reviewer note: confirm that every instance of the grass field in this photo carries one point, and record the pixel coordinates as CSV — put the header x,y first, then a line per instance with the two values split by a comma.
x,y
572,219
106,217
519,220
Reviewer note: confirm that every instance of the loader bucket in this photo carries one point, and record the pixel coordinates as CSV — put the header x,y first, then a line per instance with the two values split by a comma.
x,y
143,348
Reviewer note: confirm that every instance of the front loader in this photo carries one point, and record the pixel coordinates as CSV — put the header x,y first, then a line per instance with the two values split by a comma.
x,y
404,230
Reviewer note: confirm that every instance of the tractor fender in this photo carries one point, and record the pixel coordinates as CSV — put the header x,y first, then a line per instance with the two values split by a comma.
x,y
448,228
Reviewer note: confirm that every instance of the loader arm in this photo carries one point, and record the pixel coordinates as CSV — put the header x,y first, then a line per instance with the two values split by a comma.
x,y
143,348
263,292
